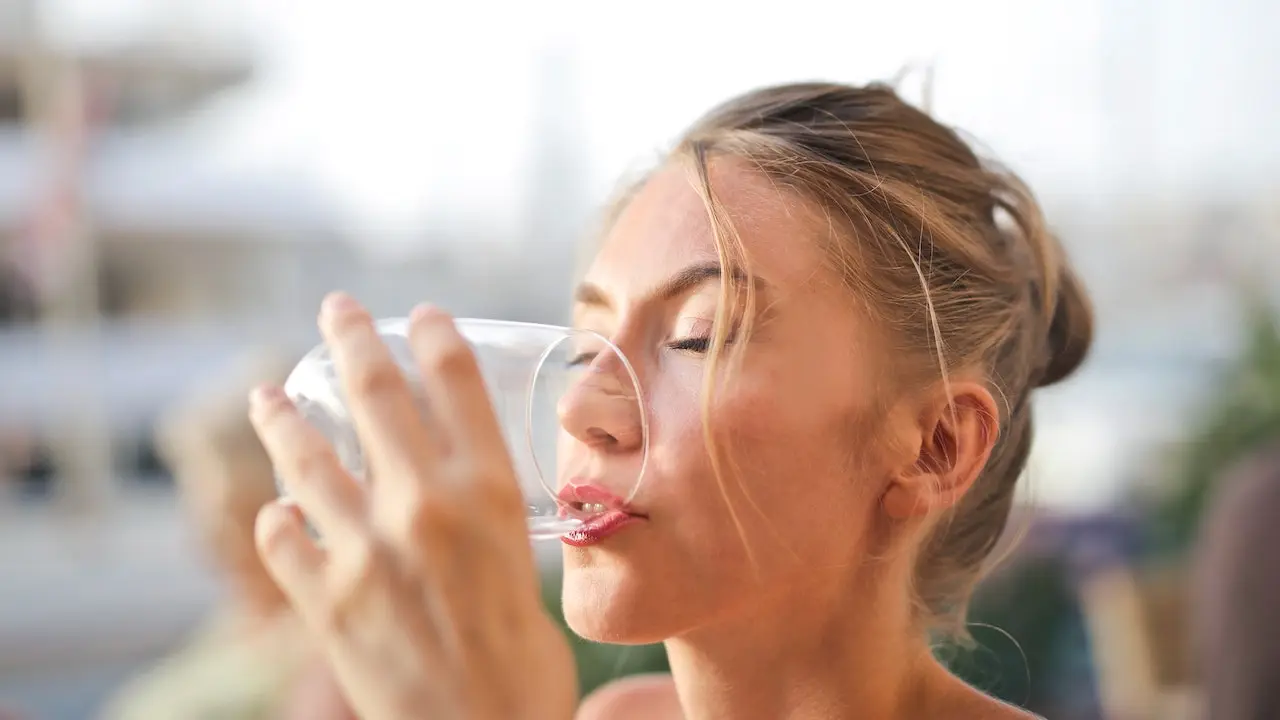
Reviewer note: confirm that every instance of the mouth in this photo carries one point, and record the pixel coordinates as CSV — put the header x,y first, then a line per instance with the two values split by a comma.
x,y
602,513
586,499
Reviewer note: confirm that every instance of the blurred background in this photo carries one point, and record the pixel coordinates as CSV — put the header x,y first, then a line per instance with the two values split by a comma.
x,y
182,180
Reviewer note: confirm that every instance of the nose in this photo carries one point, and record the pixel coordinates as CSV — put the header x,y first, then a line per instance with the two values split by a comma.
x,y
602,407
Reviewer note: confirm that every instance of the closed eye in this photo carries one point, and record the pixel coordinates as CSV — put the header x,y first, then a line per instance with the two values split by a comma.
x,y
698,345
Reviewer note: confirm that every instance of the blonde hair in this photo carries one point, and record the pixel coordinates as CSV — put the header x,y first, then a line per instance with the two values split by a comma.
x,y
948,254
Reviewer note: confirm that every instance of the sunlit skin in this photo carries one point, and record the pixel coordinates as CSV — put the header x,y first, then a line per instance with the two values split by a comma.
x,y
836,465
425,598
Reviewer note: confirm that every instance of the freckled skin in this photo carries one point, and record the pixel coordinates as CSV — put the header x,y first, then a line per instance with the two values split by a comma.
x,y
799,606
790,414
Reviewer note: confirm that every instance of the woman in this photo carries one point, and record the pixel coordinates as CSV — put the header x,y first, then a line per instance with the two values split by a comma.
x,y
838,315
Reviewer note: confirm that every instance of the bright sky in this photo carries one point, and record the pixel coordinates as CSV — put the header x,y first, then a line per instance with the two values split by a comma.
x,y
410,110
404,108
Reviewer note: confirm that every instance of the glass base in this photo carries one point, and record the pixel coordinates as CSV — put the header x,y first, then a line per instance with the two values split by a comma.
x,y
551,528
541,527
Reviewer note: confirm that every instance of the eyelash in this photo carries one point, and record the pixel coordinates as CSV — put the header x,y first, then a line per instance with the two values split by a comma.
x,y
697,345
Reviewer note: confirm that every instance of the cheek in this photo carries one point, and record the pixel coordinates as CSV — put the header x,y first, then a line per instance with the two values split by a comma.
x,y
678,445
801,470
782,447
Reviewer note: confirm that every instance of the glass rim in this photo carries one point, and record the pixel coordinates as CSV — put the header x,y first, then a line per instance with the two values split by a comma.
x,y
400,325
640,403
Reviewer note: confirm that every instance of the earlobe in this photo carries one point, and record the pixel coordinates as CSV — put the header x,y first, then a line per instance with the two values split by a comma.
x,y
920,493
902,501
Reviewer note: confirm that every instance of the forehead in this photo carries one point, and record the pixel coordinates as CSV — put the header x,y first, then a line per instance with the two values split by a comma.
x,y
666,227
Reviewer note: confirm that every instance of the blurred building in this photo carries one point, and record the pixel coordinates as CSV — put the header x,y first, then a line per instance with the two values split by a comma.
x,y
109,215
159,264
170,232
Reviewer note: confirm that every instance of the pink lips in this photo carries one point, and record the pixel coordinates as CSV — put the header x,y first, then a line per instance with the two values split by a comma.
x,y
596,526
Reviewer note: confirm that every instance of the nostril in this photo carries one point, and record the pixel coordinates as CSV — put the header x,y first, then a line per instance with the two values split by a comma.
x,y
599,437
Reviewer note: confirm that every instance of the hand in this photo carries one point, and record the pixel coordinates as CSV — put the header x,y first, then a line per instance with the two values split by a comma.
x,y
315,695
425,596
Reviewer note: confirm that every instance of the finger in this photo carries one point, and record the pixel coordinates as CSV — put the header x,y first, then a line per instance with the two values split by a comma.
x,y
388,422
290,557
454,386
307,465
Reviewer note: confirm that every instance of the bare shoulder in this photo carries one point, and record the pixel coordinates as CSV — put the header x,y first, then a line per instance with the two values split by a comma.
x,y
647,697
1000,711
653,697
954,699
979,706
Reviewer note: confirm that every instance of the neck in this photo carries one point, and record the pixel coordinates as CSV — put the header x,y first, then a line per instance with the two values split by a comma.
x,y
842,655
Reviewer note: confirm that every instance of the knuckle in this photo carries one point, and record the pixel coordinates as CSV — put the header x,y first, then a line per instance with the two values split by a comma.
x,y
494,490
275,536
452,357
362,561
349,322
377,378
438,517
311,464
332,615
358,569
488,482
271,414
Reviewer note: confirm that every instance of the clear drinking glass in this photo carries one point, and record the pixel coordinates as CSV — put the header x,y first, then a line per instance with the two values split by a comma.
x,y
529,370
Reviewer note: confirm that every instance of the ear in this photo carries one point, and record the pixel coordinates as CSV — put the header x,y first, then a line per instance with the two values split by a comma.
x,y
955,440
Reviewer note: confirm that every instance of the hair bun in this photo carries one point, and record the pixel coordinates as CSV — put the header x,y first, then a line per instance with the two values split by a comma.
x,y
1070,331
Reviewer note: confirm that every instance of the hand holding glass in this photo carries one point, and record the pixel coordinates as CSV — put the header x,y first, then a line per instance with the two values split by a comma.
x,y
534,373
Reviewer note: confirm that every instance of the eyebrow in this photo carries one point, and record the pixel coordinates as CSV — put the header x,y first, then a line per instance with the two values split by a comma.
x,y
683,281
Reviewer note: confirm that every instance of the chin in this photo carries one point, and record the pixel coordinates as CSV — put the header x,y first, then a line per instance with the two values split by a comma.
x,y
612,605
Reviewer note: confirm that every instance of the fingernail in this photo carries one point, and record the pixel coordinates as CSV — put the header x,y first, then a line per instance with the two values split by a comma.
x,y
430,313
422,312
338,302
266,395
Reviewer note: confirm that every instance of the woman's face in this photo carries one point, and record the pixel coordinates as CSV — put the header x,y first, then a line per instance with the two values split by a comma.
x,y
802,485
